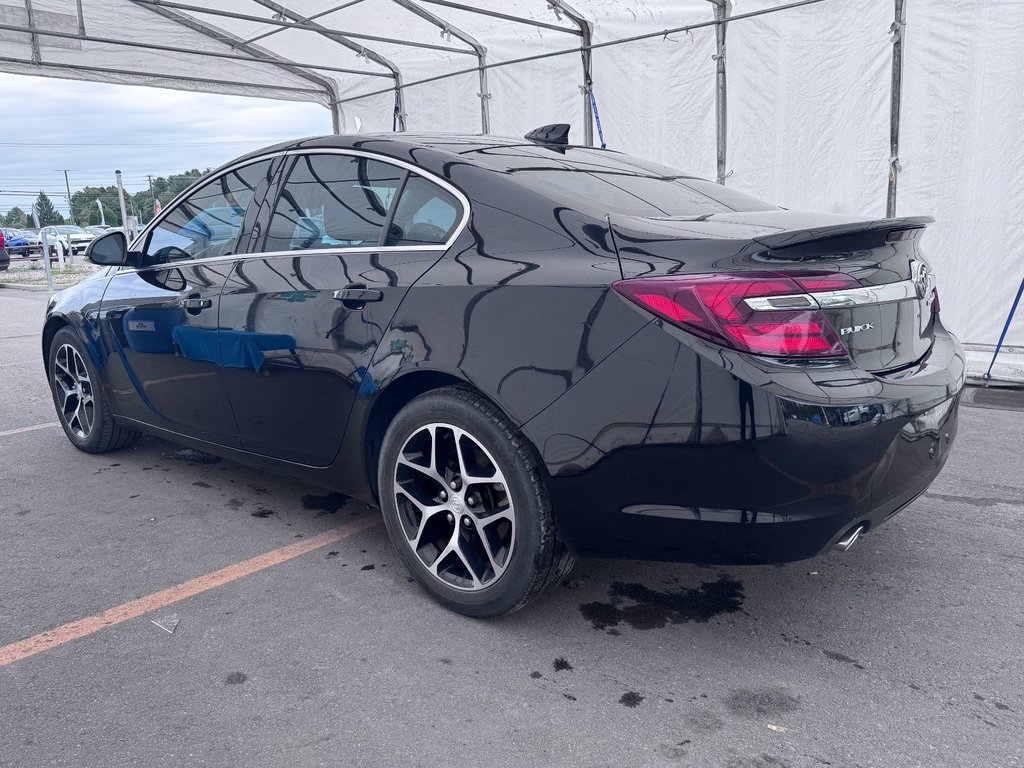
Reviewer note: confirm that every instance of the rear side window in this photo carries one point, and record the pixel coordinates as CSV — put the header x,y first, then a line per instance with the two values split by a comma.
x,y
333,201
207,222
426,214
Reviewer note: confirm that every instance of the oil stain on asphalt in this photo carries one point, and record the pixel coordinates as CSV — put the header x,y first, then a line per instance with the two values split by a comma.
x,y
651,609
327,505
192,456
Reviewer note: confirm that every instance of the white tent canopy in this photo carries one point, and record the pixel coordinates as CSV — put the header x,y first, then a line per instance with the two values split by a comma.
x,y
809,118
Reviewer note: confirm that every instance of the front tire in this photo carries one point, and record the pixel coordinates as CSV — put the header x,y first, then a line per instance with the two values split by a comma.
x,y
82,407
465,505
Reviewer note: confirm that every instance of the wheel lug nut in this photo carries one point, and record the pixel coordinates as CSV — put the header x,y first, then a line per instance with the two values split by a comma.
x,y
466,522
470,501
450,517
454,484
444,495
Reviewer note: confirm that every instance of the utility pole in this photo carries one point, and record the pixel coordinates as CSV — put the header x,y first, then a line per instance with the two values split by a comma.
x,y
120,197
67,186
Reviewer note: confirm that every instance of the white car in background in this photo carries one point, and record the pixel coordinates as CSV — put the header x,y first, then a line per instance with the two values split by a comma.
x,y
70,235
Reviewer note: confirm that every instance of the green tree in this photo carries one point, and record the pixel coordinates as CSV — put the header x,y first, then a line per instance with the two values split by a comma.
x,y
47,213
83,203
15,218
165,190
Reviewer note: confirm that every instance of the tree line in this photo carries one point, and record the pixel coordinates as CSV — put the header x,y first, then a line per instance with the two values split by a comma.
x,y
85,212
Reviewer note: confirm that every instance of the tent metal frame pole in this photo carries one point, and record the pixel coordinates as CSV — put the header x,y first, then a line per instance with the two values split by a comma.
x,y
663,33
330,86
503,16
472,42
722,10
81,17
327,12
586,29
157,76
301,22
37,57
271,60
898,29
337,37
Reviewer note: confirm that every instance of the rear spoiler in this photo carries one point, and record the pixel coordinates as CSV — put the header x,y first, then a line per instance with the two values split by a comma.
x,y
803,236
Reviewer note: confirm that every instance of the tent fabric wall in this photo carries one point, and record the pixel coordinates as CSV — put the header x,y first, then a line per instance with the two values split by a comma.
x,y
808,95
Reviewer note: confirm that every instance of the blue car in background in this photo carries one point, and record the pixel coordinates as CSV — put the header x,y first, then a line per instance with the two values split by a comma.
x,y
17,241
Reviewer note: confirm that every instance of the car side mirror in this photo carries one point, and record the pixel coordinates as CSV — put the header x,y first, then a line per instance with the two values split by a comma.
x,y
108,250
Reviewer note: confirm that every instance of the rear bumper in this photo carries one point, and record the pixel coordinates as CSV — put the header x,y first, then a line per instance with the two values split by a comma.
x,y
676,450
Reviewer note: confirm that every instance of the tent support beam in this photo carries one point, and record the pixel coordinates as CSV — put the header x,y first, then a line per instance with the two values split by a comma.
x,y
472,42
327,12
301,23
504,16
81,18
586,40
895,104
330,86
722,10
376,58
37,57
157,76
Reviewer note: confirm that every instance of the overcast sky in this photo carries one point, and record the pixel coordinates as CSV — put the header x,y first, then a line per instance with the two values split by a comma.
x,y
94,128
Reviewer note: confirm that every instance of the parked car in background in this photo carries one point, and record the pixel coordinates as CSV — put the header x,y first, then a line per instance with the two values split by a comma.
x,y
524,351
73,236
5,259
17,241
98,229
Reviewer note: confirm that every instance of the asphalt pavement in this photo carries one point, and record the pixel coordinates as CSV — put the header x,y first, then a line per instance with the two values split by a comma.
x,y
905,651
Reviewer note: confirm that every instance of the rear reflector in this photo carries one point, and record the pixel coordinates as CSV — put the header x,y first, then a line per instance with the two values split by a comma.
x,y
714,307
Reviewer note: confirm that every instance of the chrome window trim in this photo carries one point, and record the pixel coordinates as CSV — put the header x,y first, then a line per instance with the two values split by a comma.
x,y
411,167
851,297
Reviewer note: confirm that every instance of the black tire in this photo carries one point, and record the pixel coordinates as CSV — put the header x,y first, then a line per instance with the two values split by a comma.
x,y
103,433
536,560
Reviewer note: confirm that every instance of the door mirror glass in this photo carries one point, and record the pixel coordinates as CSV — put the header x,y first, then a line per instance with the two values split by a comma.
x,y
108,250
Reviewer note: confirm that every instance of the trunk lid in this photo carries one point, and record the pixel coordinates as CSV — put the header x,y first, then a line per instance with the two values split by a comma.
x,y
886,324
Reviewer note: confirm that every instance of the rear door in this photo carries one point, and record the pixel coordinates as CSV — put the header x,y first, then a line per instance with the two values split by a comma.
x,y
301,322
160,322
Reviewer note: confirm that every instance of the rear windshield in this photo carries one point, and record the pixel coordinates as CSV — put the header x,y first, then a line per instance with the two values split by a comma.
x,y
638,194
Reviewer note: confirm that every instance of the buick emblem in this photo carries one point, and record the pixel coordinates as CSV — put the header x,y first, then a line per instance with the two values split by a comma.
x,y
921,277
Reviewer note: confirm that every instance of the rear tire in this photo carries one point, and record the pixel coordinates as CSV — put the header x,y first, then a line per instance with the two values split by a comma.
x,y
82,407
465,505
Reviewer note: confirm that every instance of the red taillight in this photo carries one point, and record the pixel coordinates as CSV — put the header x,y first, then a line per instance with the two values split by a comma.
x,y
715,308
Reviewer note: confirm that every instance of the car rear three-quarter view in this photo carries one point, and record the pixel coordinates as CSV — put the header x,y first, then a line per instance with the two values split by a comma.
x,y
523,352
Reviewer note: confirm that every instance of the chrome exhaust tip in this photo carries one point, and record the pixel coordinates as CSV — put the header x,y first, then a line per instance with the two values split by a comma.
x,y
844,544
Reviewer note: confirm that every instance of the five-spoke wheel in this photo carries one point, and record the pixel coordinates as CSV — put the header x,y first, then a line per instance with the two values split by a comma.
x,y
72,387
465,504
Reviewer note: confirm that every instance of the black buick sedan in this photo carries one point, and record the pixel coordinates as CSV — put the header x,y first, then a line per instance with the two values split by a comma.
x,y
523,351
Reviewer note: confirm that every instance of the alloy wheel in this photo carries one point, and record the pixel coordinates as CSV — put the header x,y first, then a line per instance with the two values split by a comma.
x,y
454,506
74,392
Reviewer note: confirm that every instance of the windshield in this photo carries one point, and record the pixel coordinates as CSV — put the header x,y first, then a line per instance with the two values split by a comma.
x,y
68,229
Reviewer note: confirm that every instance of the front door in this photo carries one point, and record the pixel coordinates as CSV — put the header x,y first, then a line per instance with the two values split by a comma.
x,y
160,321
300,324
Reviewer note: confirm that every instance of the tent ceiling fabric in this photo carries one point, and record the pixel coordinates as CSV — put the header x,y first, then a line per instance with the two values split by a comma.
x,y
807,123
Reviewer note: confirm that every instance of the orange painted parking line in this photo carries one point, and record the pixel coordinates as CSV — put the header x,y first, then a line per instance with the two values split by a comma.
x,y
65,633
18,431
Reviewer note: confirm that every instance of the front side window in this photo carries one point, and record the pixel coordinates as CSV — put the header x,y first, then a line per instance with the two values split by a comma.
x,y
426,214
207,223
333,201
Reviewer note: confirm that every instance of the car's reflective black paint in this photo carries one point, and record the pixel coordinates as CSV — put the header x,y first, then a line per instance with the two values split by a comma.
x,y
653,442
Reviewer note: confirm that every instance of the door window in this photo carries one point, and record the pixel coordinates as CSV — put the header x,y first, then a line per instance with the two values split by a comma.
x,y
426,214
333,201
207,223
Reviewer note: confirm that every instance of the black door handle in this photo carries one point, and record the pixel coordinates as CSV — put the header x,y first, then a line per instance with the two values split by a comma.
x,y
356,296
195,304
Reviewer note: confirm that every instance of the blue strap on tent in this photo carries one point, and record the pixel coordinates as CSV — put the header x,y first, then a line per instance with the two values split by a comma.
x,y
1006,327
597,115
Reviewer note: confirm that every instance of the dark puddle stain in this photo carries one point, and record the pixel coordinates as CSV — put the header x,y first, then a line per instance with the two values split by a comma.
x,y
536,675
332,553
446,661
569,696
367,567
843,658
262,512
134,496
631,699
260,491
561,665
22,512
982,502
201,484
706,720
1001,707
651,609
191,456
762,702
327,505
979,698
234,504
236,678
